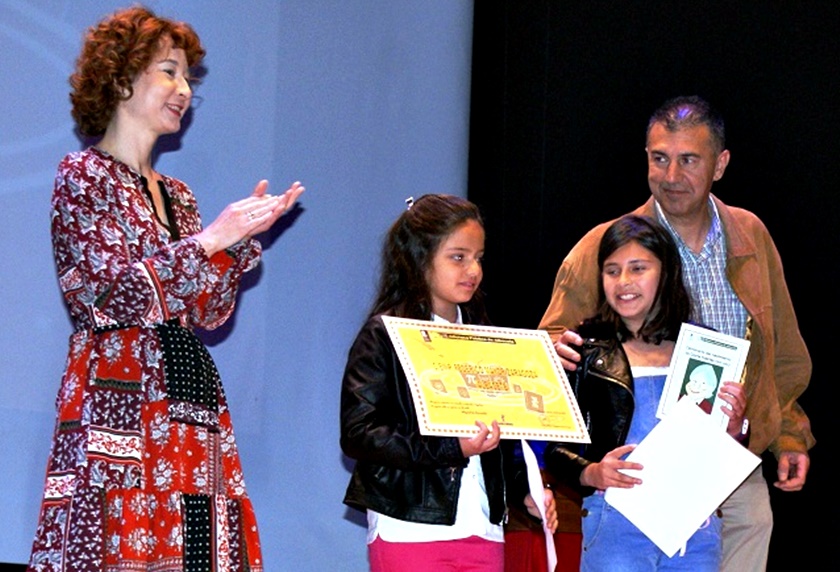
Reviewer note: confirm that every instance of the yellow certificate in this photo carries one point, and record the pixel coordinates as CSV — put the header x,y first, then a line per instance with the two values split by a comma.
x,y
462,374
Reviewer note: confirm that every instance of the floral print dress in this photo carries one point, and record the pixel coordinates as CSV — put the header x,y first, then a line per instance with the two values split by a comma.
x,y
144,472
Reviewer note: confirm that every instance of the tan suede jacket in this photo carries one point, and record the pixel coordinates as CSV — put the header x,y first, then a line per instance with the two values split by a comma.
x,y
778,365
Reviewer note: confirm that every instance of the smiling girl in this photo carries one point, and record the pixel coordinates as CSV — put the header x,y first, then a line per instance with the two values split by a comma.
x,y
432,503
625,355
144,472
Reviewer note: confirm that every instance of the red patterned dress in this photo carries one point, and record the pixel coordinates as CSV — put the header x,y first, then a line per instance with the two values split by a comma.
x,y
144,472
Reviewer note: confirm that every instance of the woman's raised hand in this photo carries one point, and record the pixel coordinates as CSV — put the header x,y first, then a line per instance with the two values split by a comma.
x,y
247,217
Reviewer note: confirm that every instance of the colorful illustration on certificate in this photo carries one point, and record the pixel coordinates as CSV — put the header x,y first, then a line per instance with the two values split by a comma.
x,y
462,374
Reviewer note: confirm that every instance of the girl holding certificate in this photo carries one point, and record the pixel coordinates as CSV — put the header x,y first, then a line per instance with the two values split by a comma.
x,y
432,503
625,355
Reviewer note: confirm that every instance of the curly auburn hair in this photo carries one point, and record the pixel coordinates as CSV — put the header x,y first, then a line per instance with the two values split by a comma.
x,y
115,51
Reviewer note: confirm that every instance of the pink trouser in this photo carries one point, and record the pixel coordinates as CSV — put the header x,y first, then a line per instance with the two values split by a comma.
x,y
471,554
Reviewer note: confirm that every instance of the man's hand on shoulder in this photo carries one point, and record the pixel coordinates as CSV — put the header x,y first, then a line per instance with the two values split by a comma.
x,y
569,357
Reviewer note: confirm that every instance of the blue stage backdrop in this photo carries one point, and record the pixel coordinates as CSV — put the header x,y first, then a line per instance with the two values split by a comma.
x,y
365,102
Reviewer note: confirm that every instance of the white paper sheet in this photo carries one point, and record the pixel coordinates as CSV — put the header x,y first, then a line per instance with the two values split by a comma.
x,y
690,467
535,484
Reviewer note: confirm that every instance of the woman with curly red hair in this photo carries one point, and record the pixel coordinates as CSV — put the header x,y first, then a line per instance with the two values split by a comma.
x,y
144,472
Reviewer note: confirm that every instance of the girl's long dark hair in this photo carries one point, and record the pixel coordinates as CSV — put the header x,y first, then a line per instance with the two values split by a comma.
x,y
672,305
407,255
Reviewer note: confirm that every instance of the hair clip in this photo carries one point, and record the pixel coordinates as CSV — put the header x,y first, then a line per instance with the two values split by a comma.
x,y
409,202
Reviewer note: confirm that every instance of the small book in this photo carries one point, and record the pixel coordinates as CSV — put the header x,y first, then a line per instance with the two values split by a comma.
x,y
703,359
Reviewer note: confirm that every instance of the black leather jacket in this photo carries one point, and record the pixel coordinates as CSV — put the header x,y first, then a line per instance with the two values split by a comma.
x,y
399,472
603,385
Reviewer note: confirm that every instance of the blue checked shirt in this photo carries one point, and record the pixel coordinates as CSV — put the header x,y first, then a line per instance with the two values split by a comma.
x,y
713,301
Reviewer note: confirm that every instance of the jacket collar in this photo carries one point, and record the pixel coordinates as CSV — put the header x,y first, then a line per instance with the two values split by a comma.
x,y
738,242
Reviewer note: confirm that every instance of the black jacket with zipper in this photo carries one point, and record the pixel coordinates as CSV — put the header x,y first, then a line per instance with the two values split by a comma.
x,y
603,386
398,471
